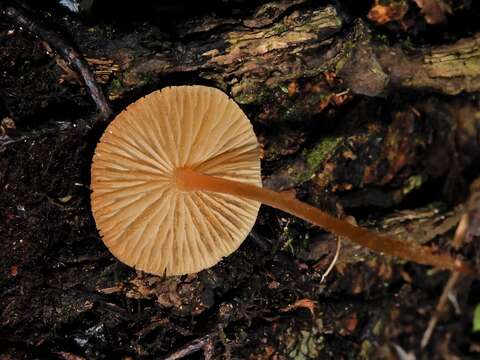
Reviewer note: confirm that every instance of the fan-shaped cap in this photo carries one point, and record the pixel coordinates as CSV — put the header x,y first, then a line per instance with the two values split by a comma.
x,y
144,218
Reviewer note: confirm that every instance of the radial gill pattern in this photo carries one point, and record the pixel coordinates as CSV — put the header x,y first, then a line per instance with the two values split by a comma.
x,y
144,219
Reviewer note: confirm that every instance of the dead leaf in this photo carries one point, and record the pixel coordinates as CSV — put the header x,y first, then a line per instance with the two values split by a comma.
x,y
302,303
330,77
140,289
351,323
434,11
14,270
111,290
382,14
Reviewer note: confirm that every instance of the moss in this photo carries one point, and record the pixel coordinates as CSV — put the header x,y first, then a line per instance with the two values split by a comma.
x,y
253,93
148,77
476,319
298,110
381,38
288,245
316,156
321,21
346,53
305,241
277,29
365,350
115,85
284,88
412,183
115,88
407,44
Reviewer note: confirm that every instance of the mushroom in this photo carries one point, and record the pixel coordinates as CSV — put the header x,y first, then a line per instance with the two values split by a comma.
x,y
176,186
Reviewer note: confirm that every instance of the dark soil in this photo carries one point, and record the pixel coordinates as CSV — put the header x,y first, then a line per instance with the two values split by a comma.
x,y
401,162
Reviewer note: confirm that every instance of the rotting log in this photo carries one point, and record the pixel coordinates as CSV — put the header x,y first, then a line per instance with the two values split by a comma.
x,y
256,59
259,60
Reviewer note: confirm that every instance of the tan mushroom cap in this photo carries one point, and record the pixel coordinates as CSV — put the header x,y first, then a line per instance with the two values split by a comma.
x,y
144,219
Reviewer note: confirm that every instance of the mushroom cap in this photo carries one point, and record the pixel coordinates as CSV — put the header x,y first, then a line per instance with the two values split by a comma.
x,y
145,220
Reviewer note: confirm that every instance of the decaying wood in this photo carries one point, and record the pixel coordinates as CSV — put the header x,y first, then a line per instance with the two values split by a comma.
x,y
449,69
347,120
257,59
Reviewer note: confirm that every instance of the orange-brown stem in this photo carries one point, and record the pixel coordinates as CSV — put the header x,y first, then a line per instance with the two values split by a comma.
x,y
190,180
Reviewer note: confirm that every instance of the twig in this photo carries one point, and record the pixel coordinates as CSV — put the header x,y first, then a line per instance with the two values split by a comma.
x,y
334,261
20,18
461,231
205,343
454,277
469,220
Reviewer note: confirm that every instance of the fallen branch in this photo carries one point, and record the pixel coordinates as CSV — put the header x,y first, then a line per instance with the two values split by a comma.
x,y
20,18
334,261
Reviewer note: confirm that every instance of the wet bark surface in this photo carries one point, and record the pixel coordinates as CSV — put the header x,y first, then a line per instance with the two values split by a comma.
x,y
370,111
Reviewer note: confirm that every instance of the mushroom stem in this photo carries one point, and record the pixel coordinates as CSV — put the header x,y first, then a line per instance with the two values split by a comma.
x,y
191,180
